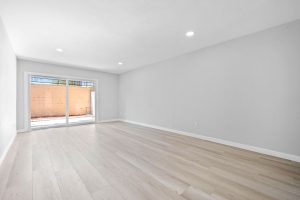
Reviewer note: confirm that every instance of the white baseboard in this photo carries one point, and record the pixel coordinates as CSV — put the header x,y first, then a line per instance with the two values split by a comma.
x,y
225,142
22,131
2,157
109,120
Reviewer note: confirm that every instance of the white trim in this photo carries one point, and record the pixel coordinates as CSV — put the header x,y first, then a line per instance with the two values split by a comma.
x,y
2,157
67,114
61,125
109,120
22,130
225,142
27,101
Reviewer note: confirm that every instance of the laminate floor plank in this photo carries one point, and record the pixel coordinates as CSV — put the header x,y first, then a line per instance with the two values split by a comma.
x,y
45,185
7,165
209,185
131,183
122,161
19,185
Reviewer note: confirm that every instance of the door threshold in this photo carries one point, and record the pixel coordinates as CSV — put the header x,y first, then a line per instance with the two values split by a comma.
x,y
60,126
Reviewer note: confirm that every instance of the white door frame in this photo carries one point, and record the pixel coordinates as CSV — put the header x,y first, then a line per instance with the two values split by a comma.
x,y
27,98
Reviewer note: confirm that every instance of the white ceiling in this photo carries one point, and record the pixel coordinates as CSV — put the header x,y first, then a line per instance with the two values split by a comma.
x,y
100,33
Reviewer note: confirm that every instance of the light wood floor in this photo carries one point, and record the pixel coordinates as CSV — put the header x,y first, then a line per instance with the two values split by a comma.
x,y
120,161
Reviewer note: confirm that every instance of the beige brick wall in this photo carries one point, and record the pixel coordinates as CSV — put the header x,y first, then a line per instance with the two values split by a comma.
x,y
50,101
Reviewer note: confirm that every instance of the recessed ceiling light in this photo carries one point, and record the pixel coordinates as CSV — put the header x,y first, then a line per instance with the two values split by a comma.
x,y
120,63
190,34
59,50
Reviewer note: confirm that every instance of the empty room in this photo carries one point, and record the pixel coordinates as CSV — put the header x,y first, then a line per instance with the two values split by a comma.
x,y
149,100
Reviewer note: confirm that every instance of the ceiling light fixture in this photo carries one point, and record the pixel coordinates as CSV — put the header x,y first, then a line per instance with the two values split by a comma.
x,y
190,34
120,63
59,50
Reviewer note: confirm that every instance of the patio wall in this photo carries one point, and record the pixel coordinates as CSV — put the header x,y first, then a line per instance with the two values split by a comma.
x,y
50,100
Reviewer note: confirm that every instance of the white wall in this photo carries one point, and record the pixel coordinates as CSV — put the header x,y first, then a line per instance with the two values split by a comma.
x,y
7,92
245,90
107,87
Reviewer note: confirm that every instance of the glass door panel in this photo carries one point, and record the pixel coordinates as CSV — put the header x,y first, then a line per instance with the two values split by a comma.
x,y
48,101
81,101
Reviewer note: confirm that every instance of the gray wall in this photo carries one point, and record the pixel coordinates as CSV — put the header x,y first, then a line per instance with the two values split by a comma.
x,y
107,87
245,90
7,91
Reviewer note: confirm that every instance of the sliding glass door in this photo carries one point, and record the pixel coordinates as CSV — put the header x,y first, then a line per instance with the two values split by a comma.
x,y
58,101
48,101
81,101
